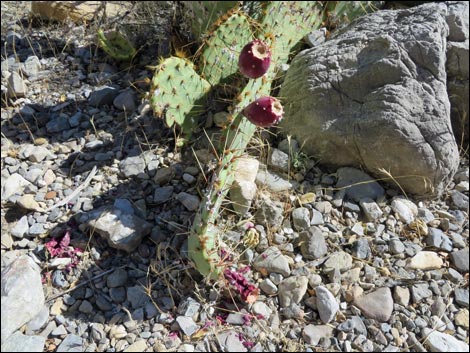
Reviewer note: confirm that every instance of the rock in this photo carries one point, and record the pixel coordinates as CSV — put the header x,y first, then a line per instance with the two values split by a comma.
x,y
22,294
15,183
457,67
35,154
16,86
354,324
313,333
405,209
121,230
29,203
461,318
162,194
164,175
438,239
461,297
39,321
86,307
420,291
270,213
358,185
312,243
459,199
125,101
396,246
242,194
338,260
32,65
460,260
278,160
272,261
190,202
117,279
132,166
377,305
103,95
188,307
260,308
348,114
246,169
20,228
371,210
137,296
292,290
18,342
401,295
230,342
58,124
71,343
361,249
327,305
138,346
273,181
187,325
77,12
425,260
301,218
443,342
268,287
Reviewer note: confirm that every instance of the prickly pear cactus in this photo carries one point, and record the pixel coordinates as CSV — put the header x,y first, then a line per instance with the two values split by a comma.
x,y
219,59
203,246
203,14
178,93
116,45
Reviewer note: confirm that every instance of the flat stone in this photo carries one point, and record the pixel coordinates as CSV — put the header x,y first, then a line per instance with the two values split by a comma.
x,y
230,342
260,308
268,287
29,203
103,95
327,305
242,194
18,342
137,296
313,333
312,243
338,260
460,260
420,291
292,290
71,343
354,324
270,213
461,318
401,295
405,210
317,218
15,183
443,342
459,199
371,210
438,239
358,184
162,194
122,230
58,124
125,101
272,261
461,297
377,305
301,218
21,288
278,160
425,260
16,86
188,307
272,181
20,228
361,249
132,166
187,325
190,202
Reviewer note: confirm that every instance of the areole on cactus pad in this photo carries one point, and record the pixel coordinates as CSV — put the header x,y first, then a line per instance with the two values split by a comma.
x,y
264,112
254,59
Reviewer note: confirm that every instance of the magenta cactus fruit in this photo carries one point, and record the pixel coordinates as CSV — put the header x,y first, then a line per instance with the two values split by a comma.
x,y
254,59
264,112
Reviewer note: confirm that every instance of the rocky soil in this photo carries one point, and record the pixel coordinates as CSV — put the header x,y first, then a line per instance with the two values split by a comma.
x,y
97,204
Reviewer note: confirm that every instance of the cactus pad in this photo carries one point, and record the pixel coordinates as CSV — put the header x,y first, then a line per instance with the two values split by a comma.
x,y
178,92
116,45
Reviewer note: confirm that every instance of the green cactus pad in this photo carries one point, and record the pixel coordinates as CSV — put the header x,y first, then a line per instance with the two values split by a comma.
x,y
202,14
219,58
116,45
346,11
178,92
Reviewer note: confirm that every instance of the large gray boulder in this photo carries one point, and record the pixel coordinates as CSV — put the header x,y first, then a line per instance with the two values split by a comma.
x,y
374,96
457,68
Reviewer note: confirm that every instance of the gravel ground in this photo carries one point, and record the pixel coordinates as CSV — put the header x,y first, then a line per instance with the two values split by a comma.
x,y
96,195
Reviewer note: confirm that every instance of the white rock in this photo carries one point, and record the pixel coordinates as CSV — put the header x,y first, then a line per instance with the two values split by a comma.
x,y
425,260
14,184
292,290
443,342
327,304
246,169
405,209
242,194
20,228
